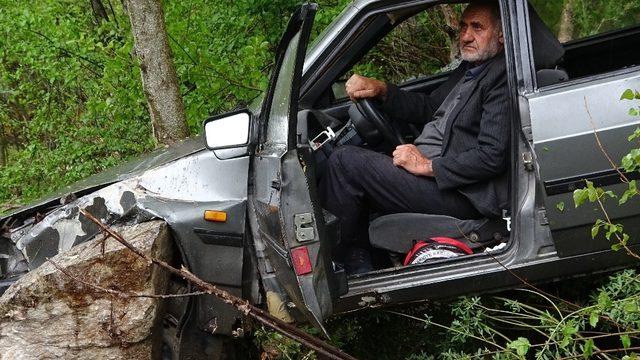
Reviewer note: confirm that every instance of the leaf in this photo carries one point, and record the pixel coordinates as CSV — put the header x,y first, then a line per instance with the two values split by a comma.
x,y
634,112
593,193
587,351
560,206
570,330
626,341
594,231
521,346
613,229
580,196
629,193
630,307
627,95
594,318
604,301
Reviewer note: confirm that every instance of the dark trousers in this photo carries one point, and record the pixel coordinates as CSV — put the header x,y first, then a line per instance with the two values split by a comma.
x,y
357,181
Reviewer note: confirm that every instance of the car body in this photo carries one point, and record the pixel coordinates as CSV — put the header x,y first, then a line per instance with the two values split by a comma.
x,y
276,241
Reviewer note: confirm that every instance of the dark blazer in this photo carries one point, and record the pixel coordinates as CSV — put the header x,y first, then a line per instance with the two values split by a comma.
x,y
475,149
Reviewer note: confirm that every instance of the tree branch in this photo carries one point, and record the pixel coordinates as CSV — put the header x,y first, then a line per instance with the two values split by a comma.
x,y
599,143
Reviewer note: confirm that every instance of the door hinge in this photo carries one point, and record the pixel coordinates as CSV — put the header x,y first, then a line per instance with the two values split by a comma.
x,y
527,160
304,227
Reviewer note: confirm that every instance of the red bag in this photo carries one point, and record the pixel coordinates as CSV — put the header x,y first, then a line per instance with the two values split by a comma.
x,y
435,249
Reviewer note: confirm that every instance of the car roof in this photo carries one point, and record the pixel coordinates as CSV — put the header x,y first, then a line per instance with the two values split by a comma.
x,y
363,3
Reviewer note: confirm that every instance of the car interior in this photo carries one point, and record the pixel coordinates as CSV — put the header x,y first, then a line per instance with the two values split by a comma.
x,y
331,120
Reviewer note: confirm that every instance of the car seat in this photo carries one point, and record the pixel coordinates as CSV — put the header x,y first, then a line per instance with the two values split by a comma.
x,y
398,232
547,52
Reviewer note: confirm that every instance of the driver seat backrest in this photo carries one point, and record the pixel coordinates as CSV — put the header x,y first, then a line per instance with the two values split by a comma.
x,y
547,52
398,232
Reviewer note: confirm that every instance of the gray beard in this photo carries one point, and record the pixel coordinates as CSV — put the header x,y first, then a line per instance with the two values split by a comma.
x,y
487,53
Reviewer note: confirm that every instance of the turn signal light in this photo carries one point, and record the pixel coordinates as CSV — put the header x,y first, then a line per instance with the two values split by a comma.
x,y
301,261
216,216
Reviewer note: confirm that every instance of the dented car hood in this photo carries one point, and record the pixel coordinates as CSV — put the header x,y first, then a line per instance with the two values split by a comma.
x,y
118,173
170,184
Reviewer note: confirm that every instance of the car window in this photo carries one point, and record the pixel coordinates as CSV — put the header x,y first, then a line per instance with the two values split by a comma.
x,y
421,46
598,36
576,19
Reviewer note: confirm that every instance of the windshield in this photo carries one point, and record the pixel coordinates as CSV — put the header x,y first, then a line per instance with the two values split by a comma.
x,y
327,34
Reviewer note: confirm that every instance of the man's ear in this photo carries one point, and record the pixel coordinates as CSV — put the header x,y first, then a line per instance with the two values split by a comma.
x,y
501,37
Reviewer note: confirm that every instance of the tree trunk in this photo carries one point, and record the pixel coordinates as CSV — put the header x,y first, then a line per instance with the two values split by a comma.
x,y
566,22
159,78
99,12
452,20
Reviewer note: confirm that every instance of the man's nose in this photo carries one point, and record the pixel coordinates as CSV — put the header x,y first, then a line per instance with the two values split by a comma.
x,y
466,36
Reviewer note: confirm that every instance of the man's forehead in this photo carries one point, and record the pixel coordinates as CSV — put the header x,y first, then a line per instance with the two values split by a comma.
x,y
480,14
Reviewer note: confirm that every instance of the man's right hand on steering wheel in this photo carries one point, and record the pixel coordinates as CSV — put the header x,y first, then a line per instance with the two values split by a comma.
x,y
360,87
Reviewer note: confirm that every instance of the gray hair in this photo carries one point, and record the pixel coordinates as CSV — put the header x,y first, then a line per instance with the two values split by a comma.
x,y
493,6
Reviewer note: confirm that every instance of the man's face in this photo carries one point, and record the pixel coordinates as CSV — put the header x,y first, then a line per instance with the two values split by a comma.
x,y
480,35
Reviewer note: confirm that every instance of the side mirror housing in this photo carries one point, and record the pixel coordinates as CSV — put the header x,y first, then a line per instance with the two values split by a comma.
x,y
227,131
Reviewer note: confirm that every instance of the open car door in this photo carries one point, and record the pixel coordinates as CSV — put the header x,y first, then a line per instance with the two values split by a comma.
x,y
286,219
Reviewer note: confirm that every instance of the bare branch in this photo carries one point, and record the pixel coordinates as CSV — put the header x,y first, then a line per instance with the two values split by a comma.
x,y
595,133
620,240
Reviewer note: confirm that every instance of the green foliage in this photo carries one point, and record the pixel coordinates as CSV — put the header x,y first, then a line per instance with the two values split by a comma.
x,y
521,324
70,90
520,345
593,194
590,17
593,17
534,323
277,346
71,103
417,47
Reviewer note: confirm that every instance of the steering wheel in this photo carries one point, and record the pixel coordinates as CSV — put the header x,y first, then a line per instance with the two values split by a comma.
x,y
377,118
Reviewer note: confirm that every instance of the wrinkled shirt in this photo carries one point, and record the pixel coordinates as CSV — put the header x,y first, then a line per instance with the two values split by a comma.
x,y
429,143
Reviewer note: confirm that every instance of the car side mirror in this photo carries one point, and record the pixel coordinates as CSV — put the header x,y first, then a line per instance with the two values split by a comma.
x,y
227,130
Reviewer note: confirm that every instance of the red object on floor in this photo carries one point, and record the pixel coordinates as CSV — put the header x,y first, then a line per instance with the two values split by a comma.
x,y
436,248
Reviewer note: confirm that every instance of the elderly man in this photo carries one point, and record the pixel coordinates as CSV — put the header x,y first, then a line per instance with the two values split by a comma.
x,y
456,166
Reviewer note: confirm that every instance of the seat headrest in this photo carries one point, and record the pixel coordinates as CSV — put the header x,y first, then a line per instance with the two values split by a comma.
x,y
547,50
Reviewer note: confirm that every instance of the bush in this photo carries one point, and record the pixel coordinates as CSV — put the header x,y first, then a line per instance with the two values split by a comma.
x,y
72,97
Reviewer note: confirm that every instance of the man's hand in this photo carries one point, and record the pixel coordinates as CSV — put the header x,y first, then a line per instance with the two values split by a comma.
x,y
411,159
360,87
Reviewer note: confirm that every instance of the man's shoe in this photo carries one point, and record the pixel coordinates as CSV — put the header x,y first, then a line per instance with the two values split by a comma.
x,y
357,261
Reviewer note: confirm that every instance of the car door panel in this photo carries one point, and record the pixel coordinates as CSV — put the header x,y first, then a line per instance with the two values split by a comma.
x,y
288,222
564,121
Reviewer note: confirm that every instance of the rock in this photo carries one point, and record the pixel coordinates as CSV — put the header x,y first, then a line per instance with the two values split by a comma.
x,y
46,314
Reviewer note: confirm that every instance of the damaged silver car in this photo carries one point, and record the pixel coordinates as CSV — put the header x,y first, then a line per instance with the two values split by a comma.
x,y
242,201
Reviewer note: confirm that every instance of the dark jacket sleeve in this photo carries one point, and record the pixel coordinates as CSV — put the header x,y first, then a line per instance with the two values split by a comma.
x,y
417,108
488,158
